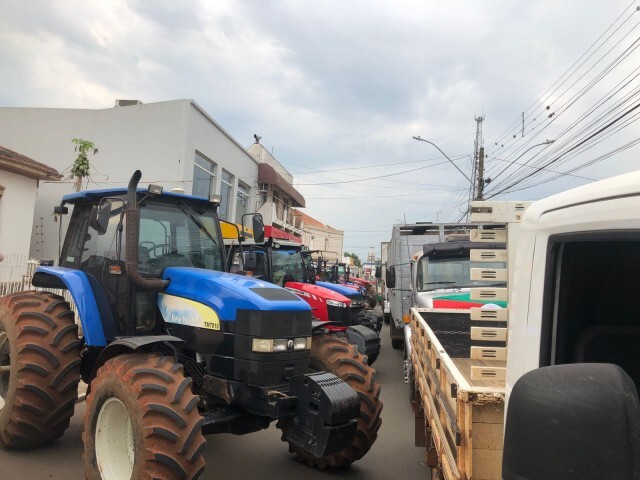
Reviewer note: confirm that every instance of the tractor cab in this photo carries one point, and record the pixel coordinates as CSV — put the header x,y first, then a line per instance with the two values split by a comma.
x,y
275,261
174,230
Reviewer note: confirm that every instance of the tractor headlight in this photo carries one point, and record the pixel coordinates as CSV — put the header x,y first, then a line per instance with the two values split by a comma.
x,y
269,345
336,303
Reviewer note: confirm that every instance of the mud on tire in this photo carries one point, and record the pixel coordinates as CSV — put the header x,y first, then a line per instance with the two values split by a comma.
x,y
163,435
40,356
335,355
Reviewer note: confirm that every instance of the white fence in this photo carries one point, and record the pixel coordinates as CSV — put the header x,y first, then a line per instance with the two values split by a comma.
x,y
16,272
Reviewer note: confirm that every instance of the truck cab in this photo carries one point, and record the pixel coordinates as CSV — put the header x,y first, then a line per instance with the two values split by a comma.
x,y
441,274
559,366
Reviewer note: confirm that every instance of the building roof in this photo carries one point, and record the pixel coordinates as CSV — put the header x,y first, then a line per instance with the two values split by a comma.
x,y
268,174
309,220
17,163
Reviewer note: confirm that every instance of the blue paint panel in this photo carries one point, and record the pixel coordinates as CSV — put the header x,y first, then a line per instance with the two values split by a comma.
x,y
336,287
78,284
225,292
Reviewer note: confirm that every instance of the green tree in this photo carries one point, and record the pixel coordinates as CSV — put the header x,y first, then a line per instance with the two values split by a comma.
x,y
80,167
354,257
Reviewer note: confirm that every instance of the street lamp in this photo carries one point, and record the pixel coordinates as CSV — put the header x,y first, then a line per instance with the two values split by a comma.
x,y
546,142
420,139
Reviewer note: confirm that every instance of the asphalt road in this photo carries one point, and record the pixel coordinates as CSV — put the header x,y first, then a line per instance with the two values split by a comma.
x,y
260,454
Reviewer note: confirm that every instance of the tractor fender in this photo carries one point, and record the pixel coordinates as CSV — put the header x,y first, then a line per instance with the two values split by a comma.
x,y
318,326
127,345
77,282
366,339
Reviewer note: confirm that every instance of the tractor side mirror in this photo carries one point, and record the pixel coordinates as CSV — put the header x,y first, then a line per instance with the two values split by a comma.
x,y
249,260
378,273
100,216
391,277
258,228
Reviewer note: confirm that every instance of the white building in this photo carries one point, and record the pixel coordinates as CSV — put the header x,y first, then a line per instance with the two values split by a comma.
x,y
318,236
276,197
174,143
19,178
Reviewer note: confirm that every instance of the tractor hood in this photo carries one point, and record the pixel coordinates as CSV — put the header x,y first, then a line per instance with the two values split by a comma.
x,y
239,292
307,290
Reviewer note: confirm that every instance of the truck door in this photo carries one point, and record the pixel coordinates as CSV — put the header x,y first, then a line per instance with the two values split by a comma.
x,y
590,313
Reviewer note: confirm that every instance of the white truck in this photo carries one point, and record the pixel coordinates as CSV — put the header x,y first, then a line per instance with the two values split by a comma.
x,y
382,286
406,239
564,354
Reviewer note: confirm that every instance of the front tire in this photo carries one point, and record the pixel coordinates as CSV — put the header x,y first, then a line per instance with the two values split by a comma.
x,y
335,355
39,368
142,422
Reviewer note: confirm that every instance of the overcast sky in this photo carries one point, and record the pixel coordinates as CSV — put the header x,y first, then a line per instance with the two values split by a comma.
x,y
337,89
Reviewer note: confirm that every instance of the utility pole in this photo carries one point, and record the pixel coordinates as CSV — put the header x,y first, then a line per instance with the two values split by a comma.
x,y
480,189
478,162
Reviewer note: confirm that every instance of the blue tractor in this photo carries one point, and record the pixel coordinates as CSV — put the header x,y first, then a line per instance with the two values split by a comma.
x,y
171,347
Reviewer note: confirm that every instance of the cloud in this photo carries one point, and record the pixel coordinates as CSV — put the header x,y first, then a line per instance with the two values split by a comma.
x,y
330,84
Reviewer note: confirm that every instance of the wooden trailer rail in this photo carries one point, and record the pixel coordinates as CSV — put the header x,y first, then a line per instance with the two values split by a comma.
x,y
464,417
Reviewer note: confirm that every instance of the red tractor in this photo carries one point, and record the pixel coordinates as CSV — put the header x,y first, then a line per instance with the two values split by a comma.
x,y
286,264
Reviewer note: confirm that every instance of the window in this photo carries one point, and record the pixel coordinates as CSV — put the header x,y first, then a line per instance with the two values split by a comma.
x,y
174,236
204,174
226,187
438,273
590,312
287,267
242,200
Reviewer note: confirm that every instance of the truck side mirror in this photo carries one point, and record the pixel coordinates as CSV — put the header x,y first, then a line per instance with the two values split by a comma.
x,y
100,216
391,277
378,273
249,260
577,421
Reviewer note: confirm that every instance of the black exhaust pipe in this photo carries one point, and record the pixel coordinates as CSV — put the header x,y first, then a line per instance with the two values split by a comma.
x,y
131,247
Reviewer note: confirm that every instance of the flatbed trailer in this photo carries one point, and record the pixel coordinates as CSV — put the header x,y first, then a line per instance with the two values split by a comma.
x,y
460,404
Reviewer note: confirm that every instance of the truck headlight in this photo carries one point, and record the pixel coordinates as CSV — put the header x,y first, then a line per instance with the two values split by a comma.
x,y
269,345
336,303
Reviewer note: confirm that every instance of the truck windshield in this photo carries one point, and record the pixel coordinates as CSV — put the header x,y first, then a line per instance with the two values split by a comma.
x,y
287,266
177,236
453,272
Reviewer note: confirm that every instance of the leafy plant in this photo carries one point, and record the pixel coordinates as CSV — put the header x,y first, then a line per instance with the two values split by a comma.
x,y
80,167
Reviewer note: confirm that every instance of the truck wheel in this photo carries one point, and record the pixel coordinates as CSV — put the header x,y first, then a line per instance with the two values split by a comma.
x,y
335,355
142,422
397,335
39,368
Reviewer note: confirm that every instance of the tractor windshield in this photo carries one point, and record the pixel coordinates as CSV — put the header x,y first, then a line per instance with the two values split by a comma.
x,y
287,266
452,272
177,236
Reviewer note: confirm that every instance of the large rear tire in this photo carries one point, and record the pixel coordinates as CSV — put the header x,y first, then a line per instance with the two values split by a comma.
x,y
142,422
335,355
39,368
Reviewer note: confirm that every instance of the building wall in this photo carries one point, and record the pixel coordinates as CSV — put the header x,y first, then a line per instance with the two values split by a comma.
x,y
317,238
16,213
210,140
160,139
